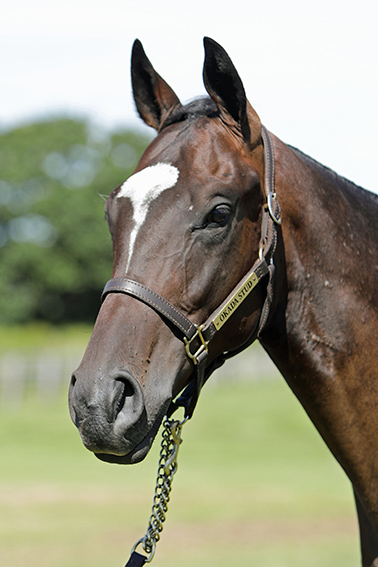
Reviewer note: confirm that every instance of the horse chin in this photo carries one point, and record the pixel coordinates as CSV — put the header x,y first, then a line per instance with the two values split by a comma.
x,y
135,456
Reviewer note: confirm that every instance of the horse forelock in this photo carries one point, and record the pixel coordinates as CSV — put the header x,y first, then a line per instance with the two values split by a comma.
x,y
198,108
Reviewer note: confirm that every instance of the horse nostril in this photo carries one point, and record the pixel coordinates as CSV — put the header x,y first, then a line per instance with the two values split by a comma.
x,y
71,404
127,398
127,391
116,400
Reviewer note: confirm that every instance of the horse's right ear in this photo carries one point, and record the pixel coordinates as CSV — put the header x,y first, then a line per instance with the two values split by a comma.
x,y
154,99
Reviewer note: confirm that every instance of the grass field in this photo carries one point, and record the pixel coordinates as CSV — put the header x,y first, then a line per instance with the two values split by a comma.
x,y
256,486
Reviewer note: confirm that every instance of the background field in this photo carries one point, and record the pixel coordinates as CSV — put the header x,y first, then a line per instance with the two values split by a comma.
x,y
256,485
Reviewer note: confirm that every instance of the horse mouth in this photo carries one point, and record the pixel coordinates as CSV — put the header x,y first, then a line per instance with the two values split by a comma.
x,y
140,451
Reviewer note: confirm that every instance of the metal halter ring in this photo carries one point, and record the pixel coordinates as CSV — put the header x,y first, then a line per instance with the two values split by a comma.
x,y
142,542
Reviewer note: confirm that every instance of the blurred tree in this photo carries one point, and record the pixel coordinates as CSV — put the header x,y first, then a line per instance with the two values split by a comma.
x,y
55,248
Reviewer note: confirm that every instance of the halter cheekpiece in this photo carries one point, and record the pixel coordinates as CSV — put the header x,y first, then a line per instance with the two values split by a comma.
x,y
197,338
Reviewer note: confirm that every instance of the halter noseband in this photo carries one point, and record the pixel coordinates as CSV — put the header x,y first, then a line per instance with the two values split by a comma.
x,y
197,337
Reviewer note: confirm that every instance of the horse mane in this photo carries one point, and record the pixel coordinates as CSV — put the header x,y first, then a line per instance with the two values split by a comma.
x,y
356,190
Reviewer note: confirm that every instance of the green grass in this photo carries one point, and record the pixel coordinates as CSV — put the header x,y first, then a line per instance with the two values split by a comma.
x,y
255,486
43,336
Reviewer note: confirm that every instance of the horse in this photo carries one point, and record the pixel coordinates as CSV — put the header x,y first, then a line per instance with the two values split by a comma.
x,y
225,235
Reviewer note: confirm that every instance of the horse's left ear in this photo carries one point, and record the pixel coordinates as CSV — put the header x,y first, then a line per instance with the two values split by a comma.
x,y
153,97
225,87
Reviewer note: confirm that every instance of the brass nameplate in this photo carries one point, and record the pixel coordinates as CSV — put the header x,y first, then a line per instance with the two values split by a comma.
x,y
234,302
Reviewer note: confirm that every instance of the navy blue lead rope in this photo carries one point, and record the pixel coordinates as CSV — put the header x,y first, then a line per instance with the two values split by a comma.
x,y
136,560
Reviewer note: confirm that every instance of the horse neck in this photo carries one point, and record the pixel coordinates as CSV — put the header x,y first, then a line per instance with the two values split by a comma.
x,y
328,225
323,332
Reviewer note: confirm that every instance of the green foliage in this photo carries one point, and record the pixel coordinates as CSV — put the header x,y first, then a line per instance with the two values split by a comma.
x,y
55,248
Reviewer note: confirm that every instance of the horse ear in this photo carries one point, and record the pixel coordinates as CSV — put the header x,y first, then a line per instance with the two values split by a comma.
x,y
225,87
153,97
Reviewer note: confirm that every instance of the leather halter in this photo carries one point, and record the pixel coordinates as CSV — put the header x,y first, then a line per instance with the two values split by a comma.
x,y
198,337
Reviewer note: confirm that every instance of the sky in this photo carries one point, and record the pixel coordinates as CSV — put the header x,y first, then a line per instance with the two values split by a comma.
x,y
309,68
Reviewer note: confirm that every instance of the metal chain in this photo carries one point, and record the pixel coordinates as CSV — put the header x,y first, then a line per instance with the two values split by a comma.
x,y
171,441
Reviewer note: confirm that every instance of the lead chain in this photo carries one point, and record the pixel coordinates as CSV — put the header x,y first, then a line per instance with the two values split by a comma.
x,y
171,440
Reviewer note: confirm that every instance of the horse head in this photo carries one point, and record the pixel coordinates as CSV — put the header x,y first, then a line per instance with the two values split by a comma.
x,y
186,226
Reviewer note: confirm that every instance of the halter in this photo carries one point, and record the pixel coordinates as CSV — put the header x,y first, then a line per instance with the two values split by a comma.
x,y
197,338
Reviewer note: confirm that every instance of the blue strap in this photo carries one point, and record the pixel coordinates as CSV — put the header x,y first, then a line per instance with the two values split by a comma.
x,y
136,560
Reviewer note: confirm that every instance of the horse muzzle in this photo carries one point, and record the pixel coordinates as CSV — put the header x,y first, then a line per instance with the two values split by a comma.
x,y
110,414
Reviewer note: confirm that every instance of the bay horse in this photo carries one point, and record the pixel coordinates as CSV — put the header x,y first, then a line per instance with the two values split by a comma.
x,y
224,235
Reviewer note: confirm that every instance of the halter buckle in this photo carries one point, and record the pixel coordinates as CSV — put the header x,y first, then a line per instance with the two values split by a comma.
x,y
202,348
276,217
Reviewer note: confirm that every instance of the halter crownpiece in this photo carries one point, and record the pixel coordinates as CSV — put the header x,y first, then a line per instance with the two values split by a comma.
x,y
197,337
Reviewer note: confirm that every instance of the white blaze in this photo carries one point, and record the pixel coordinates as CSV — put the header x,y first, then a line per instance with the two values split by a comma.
x,y
144,187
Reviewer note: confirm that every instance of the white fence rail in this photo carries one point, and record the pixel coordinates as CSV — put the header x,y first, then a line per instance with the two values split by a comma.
x,y
46,373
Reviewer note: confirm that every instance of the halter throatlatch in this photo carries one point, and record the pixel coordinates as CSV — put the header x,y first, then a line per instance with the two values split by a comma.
x,y
197,337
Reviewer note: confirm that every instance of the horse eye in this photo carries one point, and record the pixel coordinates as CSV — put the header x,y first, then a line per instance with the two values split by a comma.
x,y
218,216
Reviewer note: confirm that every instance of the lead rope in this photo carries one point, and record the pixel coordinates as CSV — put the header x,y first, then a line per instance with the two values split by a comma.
x,y
167,468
